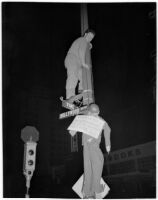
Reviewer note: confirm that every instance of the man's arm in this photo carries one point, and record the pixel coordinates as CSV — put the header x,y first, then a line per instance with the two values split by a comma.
x,y
107,132
90,46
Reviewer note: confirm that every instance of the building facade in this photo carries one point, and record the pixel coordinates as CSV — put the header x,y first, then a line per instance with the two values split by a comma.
x,y
131,172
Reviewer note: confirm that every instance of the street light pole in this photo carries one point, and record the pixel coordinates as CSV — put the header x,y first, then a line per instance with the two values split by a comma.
x,y
87,77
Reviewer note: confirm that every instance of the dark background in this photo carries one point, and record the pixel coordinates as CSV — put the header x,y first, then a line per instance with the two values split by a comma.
x,y
35,40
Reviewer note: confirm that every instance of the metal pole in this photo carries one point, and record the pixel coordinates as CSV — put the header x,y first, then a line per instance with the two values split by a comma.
x,y
87,77
84,18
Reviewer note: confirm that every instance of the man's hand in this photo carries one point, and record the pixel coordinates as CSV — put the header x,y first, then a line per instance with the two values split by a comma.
x,y
86,66
108,148
72,133
90,46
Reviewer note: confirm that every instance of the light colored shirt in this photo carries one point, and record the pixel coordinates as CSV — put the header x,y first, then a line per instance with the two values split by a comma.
x,y
78,48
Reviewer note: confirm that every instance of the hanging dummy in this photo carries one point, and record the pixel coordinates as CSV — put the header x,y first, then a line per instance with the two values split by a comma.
x,y
93,157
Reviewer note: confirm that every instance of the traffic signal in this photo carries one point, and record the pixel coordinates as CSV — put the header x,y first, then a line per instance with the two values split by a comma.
x,y
30,136
30,157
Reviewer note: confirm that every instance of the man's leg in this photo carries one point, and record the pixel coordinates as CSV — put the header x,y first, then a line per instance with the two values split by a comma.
x,y
71,82
71,65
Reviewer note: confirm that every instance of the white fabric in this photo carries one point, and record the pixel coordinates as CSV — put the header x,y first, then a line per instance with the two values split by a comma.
x,y
90,125
77,187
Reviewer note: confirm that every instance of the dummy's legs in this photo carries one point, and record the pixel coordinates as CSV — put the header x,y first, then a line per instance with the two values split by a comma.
x,y
88,173
97,167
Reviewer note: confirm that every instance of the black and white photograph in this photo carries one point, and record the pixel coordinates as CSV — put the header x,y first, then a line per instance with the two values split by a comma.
x,y
79,99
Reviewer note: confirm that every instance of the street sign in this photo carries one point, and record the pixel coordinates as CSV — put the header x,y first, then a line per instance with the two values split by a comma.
x,y
68,105
72,112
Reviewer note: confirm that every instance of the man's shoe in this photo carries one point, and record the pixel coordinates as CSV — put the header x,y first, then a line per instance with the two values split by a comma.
x,y
80,91
76,98
70,100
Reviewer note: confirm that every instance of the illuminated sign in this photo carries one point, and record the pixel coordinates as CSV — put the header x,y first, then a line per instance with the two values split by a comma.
x,y
124,155
146,149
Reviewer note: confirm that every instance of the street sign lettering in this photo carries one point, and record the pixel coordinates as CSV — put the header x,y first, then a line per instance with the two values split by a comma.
x,y
72,112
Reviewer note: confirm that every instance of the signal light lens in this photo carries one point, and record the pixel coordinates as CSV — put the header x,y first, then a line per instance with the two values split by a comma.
x,y
30,162
31,152
29,172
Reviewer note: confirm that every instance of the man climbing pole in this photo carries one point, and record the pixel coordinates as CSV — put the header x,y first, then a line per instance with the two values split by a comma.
x,y
74,62
93,159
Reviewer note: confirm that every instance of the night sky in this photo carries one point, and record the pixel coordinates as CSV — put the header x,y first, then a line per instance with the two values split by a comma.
x,y
35,40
